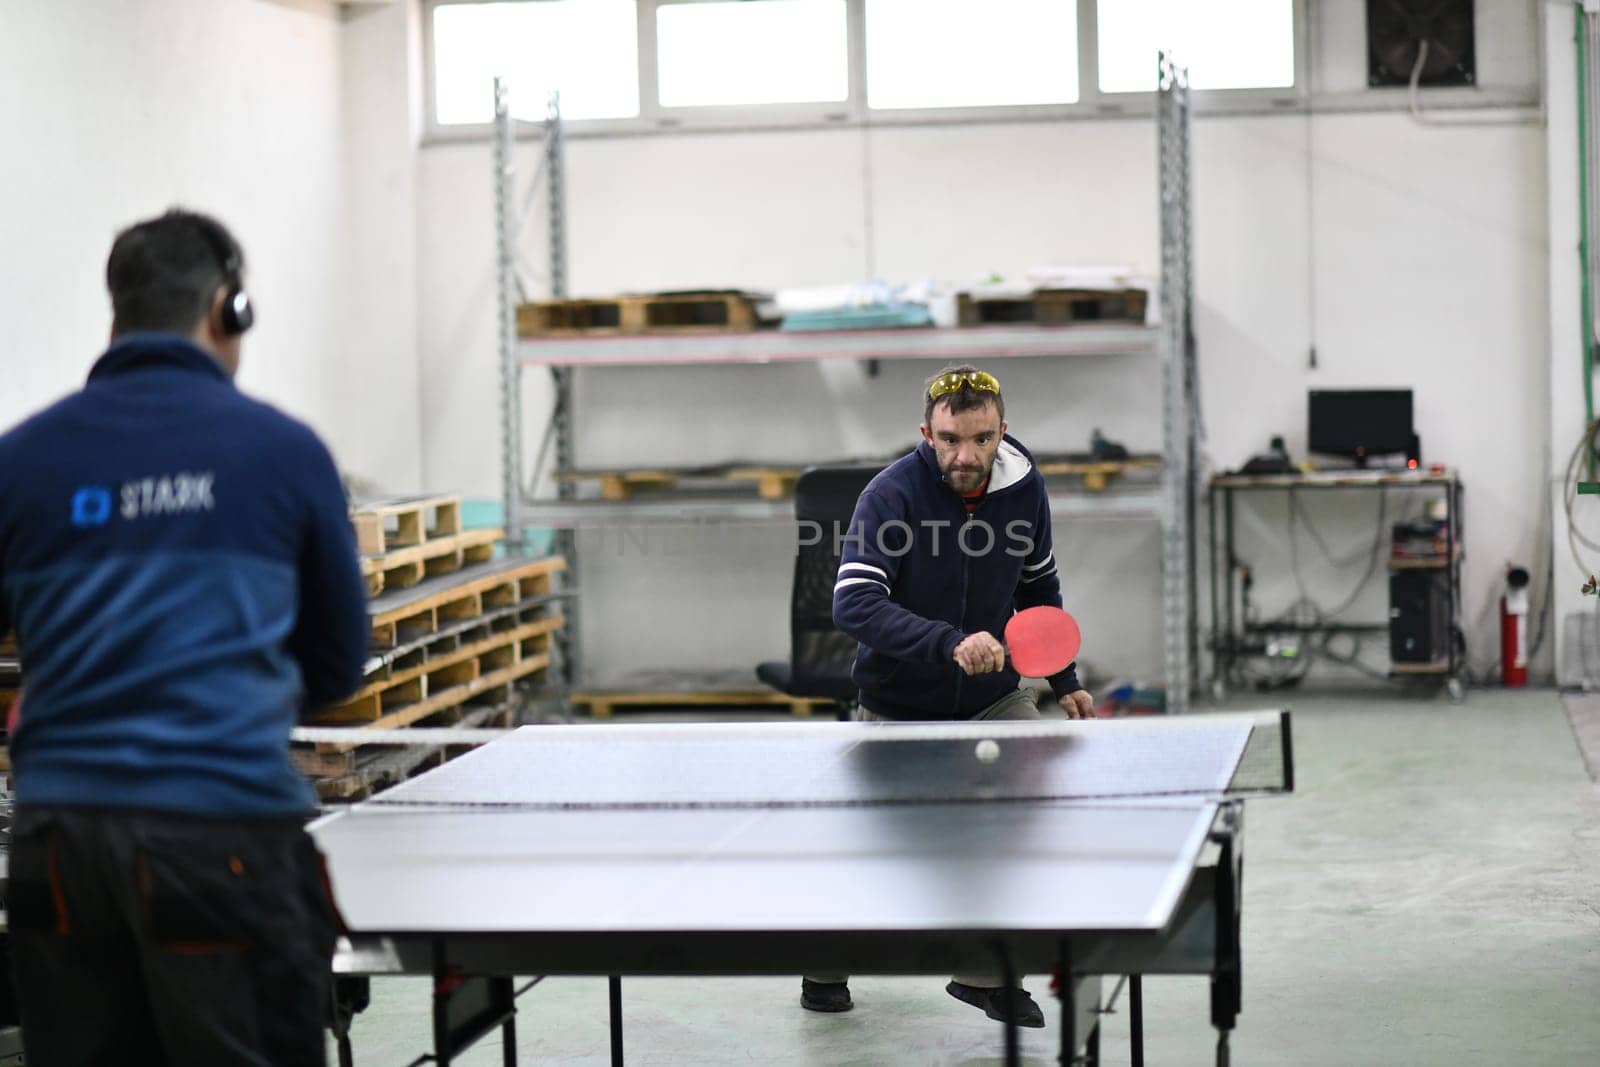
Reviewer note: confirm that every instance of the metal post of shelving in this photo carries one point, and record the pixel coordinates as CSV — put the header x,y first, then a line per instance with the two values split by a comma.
x,y
506,306
1177,592
567,642
564,668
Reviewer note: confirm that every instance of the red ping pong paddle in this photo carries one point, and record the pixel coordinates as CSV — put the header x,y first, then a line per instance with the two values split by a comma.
x,y
1042,641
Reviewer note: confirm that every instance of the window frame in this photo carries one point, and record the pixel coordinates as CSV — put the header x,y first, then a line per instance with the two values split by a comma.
x,y
853,112
813,111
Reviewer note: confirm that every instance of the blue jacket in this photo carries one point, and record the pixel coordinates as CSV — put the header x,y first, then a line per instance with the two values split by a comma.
x,y
177,563
918,574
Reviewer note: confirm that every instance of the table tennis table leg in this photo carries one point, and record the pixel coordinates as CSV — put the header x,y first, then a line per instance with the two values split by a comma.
x,y
508,1042
615,983
1226,985
1008,978
1067,993
1136,1018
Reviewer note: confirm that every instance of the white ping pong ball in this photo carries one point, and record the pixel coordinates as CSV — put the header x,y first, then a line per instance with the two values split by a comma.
x,y
988,751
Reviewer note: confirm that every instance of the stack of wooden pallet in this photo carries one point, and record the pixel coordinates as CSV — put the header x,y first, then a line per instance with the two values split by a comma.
x,y
776,481
711,311
1097,474
403,541
770,482
452,634
1052,307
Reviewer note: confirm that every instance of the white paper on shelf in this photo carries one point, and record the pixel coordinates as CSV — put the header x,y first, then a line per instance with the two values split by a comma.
x,y
830,297
1088,276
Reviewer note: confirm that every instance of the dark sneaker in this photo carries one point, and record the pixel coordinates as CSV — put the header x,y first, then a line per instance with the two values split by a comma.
x,y
993,1002
826,996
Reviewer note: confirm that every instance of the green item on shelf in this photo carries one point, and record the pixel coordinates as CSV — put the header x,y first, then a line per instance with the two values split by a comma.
x,y
868,317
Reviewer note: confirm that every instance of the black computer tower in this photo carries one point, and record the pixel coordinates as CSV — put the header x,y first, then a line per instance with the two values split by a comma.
x,y
1419,616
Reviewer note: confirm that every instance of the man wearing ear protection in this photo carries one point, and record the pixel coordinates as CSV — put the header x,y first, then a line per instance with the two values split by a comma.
x,y
178,567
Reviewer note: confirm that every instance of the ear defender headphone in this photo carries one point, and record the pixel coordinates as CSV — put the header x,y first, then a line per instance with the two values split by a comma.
x,y
238,314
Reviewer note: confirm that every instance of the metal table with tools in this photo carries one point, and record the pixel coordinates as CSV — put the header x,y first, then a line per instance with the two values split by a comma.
x,y
1083,849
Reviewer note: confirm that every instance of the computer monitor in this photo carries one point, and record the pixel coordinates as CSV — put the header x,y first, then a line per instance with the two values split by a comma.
x,y
1361,423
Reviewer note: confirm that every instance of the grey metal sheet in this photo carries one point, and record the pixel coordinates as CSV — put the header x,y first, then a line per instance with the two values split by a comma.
x,y
1048,866
767,828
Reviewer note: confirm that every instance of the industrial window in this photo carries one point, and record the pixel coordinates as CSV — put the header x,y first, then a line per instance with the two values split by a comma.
x,y
630,66
739,53
586,49
1226,44
954,53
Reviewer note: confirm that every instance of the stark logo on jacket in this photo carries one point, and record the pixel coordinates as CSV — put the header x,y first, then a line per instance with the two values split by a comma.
x,y
169,494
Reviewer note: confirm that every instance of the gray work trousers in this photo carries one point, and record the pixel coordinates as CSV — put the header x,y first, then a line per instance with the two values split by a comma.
x,y
1018,704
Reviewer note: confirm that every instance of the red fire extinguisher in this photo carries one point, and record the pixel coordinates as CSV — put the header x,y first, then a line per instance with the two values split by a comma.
x,y
1514,628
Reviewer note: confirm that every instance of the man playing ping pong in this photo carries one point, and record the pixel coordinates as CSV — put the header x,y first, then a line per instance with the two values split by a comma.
x,y
945,546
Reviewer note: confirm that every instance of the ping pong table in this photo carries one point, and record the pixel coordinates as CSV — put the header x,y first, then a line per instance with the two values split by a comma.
x,y
1079,849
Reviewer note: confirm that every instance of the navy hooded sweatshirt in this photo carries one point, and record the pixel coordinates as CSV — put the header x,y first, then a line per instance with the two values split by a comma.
x,y
177,563
918,573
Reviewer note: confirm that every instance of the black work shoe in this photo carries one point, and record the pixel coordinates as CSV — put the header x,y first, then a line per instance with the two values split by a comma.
x,y
825,996
993,1002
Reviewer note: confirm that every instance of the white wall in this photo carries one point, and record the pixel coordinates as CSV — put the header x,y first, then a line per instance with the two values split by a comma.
x,y
377,376
1410,256
117,111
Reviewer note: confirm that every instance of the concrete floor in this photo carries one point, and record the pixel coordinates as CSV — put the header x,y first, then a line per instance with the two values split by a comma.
x,y
1430,895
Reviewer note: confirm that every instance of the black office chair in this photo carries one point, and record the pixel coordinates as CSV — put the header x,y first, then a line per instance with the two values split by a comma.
x,y
819,655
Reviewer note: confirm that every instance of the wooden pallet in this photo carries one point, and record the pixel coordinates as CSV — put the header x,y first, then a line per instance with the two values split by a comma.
x,y
601,703
355,775
452,636
385,525
525,664
704,312
771,483
1097,476
1052,307
407,615
622,484
447,679
404,567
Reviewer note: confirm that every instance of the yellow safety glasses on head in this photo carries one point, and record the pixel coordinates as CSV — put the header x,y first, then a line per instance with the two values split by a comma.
x,y
978,380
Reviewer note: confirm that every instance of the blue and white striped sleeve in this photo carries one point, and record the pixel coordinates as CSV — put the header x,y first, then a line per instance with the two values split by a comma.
x,y
863,594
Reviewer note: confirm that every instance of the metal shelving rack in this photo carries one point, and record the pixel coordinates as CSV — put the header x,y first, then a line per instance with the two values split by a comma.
x,y
567,639
1180,391
1231,631
1172,341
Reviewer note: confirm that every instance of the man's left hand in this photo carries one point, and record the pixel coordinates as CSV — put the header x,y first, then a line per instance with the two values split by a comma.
x,y
1079,705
